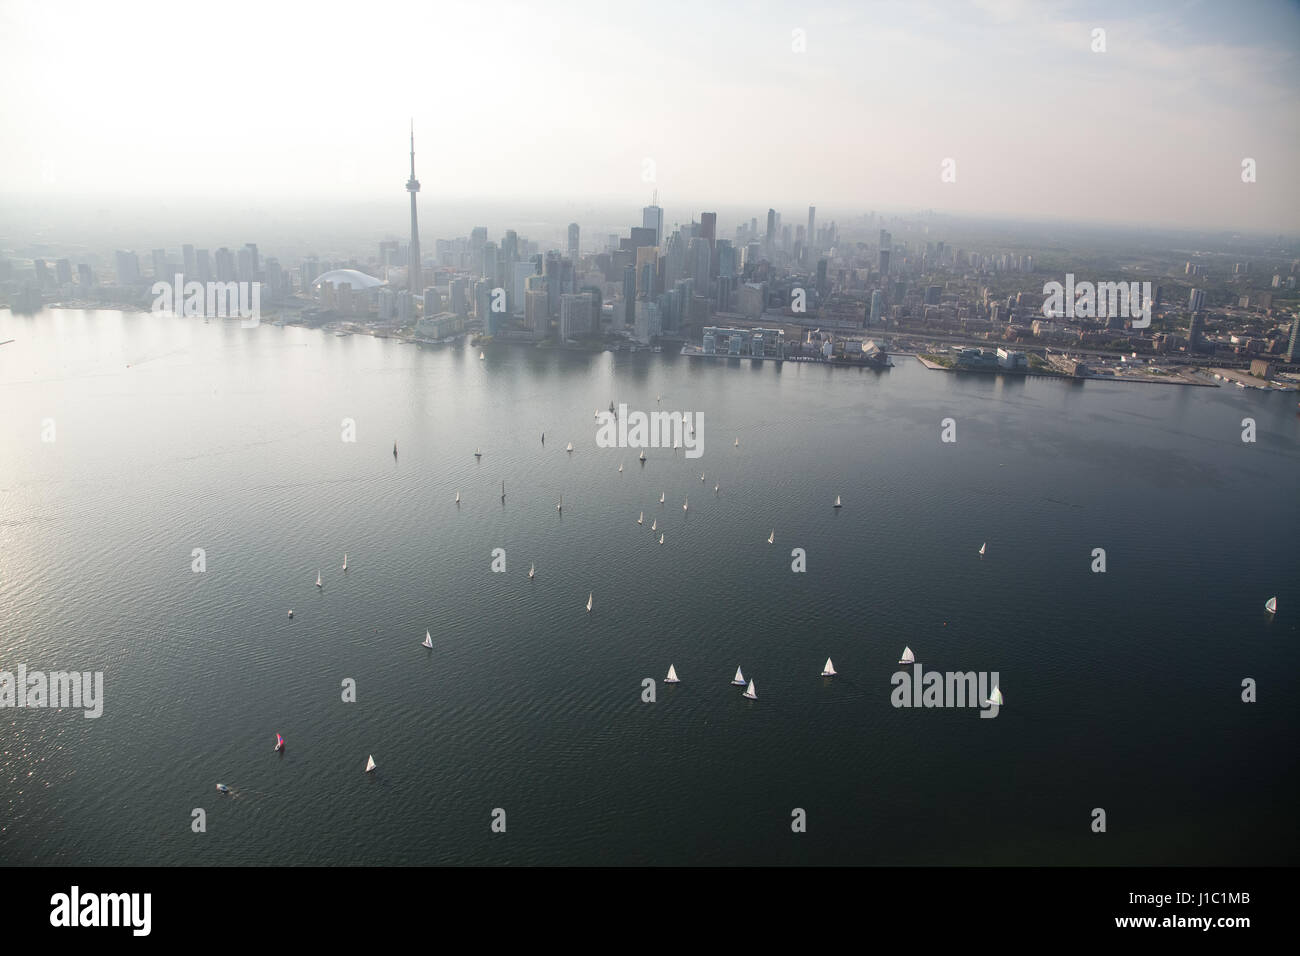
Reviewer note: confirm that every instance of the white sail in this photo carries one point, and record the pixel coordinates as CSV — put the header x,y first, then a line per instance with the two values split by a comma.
x,y
589,594
291,612
771,538
983,546
908,657
654,525
560,506
428,640
672,675
640,519
345,561
749,692
701,476
715,488
737,442
829,669
569,447
643,454
837,502
620,467
661,539
995,697
661,497
480,355
318,583
532,570
686,504
1271,605
739,678
370,763
458,497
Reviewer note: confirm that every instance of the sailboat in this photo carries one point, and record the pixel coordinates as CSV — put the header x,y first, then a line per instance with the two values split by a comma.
x,y
480,355
394,449
672,676
458,497
569,447
279,743
829,669
837,502
749,692
477,453
701,476
318,583
620,468
771,538
715,488
589,601
1271,605
643,456
503,491
686,503
995,697
640,519
908,657
737,442
543,438
290,612
739,679
560,506
370,764
532,571
428,640
345,560
654,525
982,547
661,497
661,538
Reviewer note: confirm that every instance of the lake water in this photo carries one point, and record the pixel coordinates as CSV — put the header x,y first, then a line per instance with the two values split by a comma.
x,y
1122,689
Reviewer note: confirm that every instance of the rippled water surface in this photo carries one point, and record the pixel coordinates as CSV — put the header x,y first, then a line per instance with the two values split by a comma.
x,y
1122,690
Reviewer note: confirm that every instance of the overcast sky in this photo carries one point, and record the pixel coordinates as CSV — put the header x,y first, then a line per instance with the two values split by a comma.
x,y
567,101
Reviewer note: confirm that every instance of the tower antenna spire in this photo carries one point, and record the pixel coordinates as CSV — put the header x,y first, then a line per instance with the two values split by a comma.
x,y
413,262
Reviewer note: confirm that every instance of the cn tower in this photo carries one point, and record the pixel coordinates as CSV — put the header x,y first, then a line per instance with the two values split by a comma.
x,y
413,262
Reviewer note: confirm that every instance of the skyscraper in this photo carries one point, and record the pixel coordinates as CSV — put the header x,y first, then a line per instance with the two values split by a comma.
x,y
699,262
709,232
652,217
573,241
811,235
413,283
1291,350
771,230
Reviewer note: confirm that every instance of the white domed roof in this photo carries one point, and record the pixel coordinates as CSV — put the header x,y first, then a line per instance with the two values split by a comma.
x,y
350,277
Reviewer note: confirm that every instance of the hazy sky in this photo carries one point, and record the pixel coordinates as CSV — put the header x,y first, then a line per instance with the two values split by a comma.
x,y
567,100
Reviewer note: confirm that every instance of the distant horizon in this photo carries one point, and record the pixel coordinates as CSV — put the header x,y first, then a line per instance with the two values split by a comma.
x,y
501,212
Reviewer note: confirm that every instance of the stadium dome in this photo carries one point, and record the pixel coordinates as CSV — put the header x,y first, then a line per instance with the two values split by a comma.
x,y
349,277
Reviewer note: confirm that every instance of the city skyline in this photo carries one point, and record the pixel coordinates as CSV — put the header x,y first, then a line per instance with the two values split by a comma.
x,y
840,107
